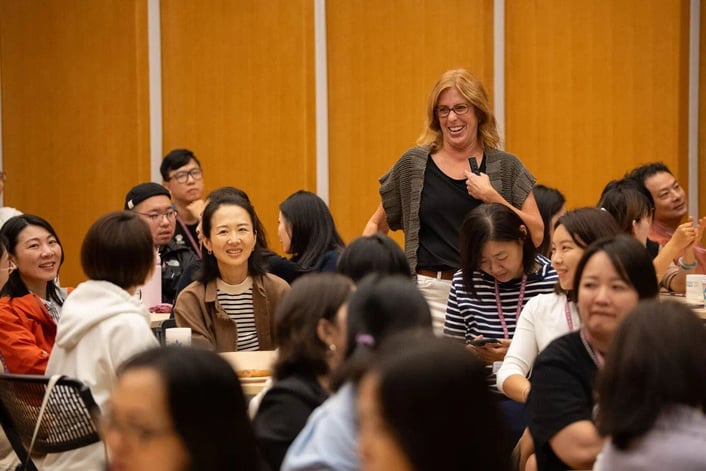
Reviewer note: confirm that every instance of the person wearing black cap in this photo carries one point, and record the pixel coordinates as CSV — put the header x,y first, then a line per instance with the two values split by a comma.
x,y
153,203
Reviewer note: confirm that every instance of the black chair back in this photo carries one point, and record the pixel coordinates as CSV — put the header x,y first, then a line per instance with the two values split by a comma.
x,y
69,416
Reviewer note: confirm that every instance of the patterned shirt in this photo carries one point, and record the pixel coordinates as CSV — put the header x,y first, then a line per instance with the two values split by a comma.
x,y
468,316
236,301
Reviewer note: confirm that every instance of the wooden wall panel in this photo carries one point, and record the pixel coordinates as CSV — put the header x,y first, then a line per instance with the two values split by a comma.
x,y
238,89
702,115
595,88
383,60
74,111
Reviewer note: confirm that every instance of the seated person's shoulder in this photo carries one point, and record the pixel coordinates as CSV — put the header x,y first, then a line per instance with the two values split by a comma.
x,y
275,282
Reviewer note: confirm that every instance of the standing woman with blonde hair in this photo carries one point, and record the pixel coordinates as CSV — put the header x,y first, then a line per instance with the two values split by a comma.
x,y
432,187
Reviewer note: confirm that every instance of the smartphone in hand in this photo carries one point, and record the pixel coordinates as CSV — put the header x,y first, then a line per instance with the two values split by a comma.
x,y
483,342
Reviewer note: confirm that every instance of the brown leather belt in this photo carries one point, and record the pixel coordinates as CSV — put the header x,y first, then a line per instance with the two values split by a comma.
x,y
439,275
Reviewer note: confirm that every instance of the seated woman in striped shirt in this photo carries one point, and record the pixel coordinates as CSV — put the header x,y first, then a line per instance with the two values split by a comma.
x,y
231,306
500,271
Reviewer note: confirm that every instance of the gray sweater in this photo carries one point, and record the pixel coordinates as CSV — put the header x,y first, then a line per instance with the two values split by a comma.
x,y
401,190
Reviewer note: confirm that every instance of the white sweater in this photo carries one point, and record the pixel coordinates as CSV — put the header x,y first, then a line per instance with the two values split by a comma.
x,y
542,320
101,326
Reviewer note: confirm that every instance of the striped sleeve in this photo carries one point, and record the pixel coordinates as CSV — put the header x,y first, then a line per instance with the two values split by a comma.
x,y
454,324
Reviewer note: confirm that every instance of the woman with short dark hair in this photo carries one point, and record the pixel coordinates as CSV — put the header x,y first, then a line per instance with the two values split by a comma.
x,y
178,409
613,275
309,327
102,322
652,402
376,253
31,302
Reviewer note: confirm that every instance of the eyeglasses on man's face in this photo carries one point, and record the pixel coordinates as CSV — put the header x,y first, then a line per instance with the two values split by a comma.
x,y
182,177
460,109
155,217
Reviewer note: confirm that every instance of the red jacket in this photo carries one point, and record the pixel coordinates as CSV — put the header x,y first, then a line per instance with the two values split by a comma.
x,y
27,333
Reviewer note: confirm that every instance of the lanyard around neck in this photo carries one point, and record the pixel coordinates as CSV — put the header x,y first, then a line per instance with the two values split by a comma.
x,y
191,238
499,303
595,355
567,313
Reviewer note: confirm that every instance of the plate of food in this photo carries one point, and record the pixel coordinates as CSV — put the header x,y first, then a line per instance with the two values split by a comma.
x,y
253,375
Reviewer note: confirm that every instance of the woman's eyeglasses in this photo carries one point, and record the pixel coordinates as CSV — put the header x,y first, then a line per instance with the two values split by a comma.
x,y
444,111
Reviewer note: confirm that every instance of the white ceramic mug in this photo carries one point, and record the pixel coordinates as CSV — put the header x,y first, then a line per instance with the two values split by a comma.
x,y
180,336
694,288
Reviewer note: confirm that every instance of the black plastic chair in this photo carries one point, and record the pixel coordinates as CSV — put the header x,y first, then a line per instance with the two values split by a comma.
x,y
68,421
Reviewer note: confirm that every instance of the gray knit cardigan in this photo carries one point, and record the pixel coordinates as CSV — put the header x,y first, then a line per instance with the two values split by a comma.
x,y
401,190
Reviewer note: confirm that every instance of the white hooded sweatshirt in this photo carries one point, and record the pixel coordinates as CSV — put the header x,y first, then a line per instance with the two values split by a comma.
x,y
101,326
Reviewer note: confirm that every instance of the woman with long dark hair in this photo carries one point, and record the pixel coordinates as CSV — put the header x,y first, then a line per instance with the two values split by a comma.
x,y
500,272
232,304
31,300
308,233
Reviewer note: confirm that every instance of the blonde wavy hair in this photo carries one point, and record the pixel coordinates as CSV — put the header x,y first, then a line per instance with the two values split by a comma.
x,y
472,90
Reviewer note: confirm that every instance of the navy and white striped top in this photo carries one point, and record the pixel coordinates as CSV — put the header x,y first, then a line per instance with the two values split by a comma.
x,y
468,316
236,301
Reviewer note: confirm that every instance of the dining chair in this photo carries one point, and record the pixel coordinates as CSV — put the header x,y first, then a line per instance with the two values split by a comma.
x,y
42,414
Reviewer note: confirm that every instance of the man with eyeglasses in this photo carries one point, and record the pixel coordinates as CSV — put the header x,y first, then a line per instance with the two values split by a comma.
x,y
153,203
183,177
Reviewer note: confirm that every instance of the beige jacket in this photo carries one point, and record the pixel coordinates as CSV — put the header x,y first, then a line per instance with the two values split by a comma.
x,y
197,308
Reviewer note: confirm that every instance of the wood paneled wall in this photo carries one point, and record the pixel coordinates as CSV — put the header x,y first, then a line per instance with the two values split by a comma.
x,y
702,113
593,89
238,90
75,112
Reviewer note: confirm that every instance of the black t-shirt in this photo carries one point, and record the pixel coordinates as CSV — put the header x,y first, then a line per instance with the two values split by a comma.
x,y
283,413
562,380
444,205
